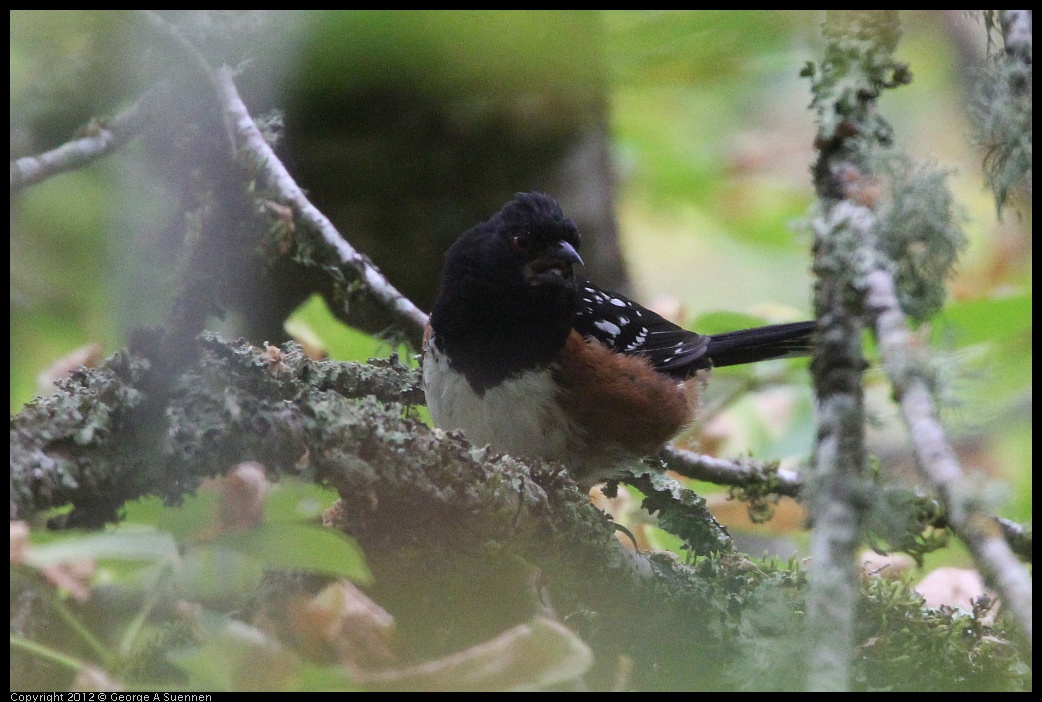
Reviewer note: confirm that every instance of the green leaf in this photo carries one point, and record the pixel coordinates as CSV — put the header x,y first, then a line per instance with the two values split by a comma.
x,y
124,543
286,501
213,574
300,547
313,318
996,320
293,501
331,678
719,322
183,521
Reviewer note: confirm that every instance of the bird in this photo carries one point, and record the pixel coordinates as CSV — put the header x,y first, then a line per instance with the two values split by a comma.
x,y
526,356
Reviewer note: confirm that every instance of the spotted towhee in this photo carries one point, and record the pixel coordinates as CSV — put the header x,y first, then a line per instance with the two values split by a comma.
x,y
523,355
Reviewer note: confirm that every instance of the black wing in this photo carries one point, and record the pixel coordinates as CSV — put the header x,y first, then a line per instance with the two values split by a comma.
x,y
626,327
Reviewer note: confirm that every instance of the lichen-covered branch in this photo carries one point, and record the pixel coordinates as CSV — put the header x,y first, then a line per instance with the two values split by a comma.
x,y
1016,32
885,241
94,445
445,525
426,507
1003,110
936,458
857,65
839,462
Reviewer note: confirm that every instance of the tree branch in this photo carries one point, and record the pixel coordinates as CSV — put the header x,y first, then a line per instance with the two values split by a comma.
x,y
275,176
857,63
936,458
440,521
737,473
1003,109
104,136
1016,31
878,258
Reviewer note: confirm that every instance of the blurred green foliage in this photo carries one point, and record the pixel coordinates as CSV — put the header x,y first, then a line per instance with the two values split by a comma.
x,y
159,556
456,52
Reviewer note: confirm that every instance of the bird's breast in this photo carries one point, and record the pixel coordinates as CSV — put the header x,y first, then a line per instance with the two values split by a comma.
x,y
521,415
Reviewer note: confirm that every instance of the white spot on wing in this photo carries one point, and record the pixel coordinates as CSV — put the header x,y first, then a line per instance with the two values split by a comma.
x,y
607,327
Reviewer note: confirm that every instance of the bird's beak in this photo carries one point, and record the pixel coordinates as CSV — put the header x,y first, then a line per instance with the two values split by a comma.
x,y
568,253
553,266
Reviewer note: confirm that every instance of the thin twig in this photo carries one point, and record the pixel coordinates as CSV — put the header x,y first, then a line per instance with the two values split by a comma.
x,y
411,319
106,136
937,460
1018,538
721,471
744,473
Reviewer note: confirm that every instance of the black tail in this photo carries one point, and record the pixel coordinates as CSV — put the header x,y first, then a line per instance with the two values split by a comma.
x,y
761,344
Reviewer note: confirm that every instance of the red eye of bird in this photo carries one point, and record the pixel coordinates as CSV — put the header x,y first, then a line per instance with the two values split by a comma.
x,y
520,243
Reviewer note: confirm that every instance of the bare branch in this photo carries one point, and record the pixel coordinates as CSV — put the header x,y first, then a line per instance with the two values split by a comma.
x,y
104,137
747,473
197,69
1018,538
411,319
740,473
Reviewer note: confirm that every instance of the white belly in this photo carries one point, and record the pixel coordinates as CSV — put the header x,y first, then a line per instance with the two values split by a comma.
x,y
521,416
